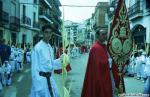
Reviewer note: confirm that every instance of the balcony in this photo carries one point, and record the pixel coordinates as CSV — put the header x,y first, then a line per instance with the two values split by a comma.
x,y
55,21
4,17
47,2
44,15
14,23
148,5
36,25
56,10
135,11
26,21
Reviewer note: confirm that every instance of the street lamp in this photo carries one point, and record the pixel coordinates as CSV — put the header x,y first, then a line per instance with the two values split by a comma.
x,y
111,9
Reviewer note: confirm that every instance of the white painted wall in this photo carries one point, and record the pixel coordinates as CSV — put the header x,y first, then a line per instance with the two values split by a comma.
x,y
145,20
30,9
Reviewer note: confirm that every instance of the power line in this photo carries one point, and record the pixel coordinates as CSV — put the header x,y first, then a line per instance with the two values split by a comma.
x,y
79,6
64,5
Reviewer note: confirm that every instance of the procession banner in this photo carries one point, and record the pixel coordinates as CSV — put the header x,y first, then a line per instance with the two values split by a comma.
x,y
120,38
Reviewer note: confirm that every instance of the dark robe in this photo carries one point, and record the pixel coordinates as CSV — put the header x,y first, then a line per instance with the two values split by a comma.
x,y
97,82
5,52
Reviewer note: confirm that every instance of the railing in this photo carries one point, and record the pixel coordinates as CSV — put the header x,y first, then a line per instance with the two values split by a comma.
x,y
14,20
26,20
14,23
36,24
135,9
49,1
4,17
42,12
55,7
46,2
148,5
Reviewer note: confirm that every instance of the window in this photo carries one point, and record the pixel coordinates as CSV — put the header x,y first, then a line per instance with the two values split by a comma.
x,y
1,33
13,38
1,5
147,4
35,1
24,10
34,16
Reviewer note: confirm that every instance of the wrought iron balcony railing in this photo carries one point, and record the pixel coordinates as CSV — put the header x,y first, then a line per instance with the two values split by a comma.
x,y
26,20
14,23
36,25
136,9
4,17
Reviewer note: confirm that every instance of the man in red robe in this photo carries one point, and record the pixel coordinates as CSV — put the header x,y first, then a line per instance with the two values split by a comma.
x,y
59,51
58,54
101,78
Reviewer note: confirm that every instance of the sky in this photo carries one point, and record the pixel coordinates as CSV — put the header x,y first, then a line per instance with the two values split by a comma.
x,y
79,14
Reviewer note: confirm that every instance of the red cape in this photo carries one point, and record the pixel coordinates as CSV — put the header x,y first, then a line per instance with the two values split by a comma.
x,y
97,82
59,52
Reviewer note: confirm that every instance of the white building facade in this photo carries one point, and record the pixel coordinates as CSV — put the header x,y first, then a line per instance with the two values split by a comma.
x,y
28,21
139,16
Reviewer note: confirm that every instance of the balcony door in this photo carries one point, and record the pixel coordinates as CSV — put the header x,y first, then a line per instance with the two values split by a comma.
x,y
1,5
23,40
13,38
139,34
24,10
1,34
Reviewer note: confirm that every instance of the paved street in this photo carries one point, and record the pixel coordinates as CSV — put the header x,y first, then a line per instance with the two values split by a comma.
x,y
20,84
76,78
22,81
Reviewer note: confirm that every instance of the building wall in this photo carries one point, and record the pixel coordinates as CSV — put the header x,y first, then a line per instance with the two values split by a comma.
x,y
144,20
101,14
12,8
7,35
50,8
28,30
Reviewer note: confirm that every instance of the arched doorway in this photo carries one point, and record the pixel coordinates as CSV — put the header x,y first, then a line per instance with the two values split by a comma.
x,y
139,36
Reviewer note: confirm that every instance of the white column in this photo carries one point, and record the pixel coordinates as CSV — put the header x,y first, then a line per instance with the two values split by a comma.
x,y
147,34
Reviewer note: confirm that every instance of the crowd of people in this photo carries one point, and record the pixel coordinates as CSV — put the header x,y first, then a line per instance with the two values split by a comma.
x,y
11,62
139,67
13,57
77,50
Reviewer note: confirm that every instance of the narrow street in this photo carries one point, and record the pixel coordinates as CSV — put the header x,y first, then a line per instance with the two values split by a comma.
x,y
22,81
76,77
45,29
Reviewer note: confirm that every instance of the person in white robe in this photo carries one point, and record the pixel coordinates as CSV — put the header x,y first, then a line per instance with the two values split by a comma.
x,y
42,66
28,56
138,66
8,73
12,59
147,73
1,87
15,58
143,61
19,59
131,66
3,74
